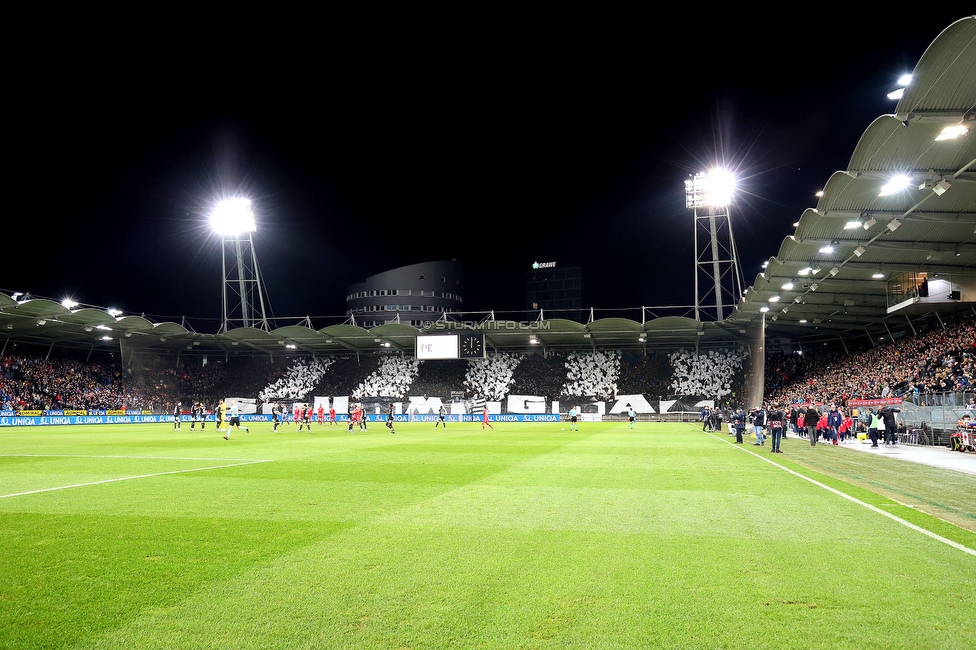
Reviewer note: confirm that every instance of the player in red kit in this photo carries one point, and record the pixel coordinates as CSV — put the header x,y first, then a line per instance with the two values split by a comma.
x,y
484,419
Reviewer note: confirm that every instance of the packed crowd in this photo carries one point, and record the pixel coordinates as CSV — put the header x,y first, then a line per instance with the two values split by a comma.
x,y
30,383
928,366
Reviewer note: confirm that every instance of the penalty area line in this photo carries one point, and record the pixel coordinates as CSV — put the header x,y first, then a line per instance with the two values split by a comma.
x,y
903,522
130,478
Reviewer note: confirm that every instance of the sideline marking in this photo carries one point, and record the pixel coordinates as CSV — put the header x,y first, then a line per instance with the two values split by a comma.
x,y
876,509
119,457
129,478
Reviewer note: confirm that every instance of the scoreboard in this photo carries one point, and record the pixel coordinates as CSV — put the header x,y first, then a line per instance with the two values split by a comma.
x,y
468,345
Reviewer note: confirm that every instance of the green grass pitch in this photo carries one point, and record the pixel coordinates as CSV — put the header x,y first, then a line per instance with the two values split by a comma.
x,y
525,536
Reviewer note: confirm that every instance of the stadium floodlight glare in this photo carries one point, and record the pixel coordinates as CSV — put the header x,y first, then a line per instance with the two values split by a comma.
x,y
764,309
896,184
806,270
787,286
711,189
878,275
68,303
233,217
114,313
952,132
827,250
903,82
851,225
774,299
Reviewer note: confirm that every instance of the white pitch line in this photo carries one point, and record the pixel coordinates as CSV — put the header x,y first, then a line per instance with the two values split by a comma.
x,y
903,522
129,478
119,457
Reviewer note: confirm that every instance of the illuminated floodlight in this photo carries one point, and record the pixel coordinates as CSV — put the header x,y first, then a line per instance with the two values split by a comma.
x,y
774,299
712,189
903,81
952,132
851,225
104,328
827,250
896,184
806,270
233,217
68,303
764,309
114,313
787,286
878,276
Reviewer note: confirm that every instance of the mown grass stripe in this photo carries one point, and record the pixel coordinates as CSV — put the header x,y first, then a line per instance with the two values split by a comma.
x,y
903,522
128,478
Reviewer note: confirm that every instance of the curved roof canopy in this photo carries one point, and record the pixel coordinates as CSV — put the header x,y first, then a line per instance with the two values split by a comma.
x,y
854,259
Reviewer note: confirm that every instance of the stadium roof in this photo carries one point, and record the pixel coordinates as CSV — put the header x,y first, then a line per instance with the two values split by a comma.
x,y
928,228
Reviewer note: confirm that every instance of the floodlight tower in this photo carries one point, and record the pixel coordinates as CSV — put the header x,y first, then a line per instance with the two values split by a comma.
x,y
242,294
717,272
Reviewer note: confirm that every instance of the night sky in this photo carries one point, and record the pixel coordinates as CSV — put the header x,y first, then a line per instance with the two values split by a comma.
x,y
557,138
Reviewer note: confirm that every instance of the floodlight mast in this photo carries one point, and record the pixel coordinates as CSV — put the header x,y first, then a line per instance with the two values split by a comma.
x,y
709,195
242,293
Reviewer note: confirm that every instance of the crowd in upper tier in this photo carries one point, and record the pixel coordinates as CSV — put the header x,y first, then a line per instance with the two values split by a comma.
x,y
918,367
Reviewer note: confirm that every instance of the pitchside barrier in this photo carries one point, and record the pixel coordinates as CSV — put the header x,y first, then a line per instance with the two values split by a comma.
x,y
48,418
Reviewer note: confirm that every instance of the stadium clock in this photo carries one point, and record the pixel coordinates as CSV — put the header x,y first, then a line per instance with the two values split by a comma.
x,y
472,345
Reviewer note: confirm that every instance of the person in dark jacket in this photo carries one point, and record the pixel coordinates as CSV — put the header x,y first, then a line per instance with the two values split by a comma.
x,y
834,420
810,419
887,413
739,424
777,426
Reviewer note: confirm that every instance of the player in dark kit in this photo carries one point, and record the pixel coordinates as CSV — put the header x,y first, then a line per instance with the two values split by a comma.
x,y
176,415
195,411
302,417
389,419
362,417
275,417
